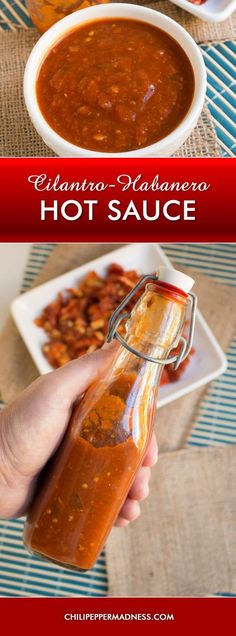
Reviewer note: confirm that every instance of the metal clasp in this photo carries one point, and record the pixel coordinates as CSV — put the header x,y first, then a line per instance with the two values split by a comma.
x,y
117,317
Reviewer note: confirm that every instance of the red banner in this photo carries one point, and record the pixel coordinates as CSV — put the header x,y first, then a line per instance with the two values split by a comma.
x,y
182,616
70,200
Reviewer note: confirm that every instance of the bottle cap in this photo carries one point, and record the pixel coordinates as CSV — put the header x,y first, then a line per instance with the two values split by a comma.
x,y
177,279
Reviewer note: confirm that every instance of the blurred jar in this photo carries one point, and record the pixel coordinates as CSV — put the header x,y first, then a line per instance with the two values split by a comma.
x,y
44,13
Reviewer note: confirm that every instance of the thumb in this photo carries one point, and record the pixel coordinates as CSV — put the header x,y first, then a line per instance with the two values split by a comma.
x,y
74,378
33,425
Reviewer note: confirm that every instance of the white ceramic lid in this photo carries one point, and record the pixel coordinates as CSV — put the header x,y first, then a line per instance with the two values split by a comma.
x,y
175,278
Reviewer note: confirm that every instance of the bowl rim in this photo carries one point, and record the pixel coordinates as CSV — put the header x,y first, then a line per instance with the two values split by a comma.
x,y
140,13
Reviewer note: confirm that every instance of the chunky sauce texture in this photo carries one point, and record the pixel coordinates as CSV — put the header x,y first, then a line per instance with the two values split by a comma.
x,y
87,483
115,85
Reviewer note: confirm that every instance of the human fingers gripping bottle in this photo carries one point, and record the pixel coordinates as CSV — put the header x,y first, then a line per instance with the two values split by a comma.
x,y
91,474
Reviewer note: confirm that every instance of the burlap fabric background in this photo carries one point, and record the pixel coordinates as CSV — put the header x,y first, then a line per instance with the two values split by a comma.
x,y
185,541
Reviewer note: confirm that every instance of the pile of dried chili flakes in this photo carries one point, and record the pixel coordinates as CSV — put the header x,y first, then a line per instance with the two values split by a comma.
x,y
77,321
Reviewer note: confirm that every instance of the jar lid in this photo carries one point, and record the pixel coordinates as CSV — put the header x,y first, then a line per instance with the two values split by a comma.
x,y
175,278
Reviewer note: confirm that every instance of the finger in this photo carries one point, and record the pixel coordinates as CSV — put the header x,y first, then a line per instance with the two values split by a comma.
x,y
140,488
39,416
121,523
130,511
151,456
74,378
108,346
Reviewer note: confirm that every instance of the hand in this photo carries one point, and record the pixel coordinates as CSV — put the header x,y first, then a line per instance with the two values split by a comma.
x,y
32,427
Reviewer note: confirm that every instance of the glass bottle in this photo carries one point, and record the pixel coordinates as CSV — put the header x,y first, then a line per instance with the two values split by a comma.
x,y
44,13
85,485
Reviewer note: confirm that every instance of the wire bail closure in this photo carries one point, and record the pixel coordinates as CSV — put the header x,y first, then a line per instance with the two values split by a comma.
x,y
117,317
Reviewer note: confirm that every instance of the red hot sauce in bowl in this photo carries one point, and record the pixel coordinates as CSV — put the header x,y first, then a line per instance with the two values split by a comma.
x,y
115,85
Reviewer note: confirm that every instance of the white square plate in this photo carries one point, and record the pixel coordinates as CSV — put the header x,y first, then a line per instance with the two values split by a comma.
x,y
207,363
210,11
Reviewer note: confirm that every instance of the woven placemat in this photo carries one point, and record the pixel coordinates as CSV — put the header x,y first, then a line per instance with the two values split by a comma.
x,y
18,136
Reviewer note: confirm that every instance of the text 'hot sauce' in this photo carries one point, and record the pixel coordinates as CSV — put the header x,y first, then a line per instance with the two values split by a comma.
x,y
86,483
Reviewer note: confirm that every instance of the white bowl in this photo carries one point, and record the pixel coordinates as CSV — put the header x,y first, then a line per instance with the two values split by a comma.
x,y
206,364
163,148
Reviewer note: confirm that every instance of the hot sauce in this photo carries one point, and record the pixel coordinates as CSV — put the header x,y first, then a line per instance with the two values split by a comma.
x,y
93,480
115,85
85,485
